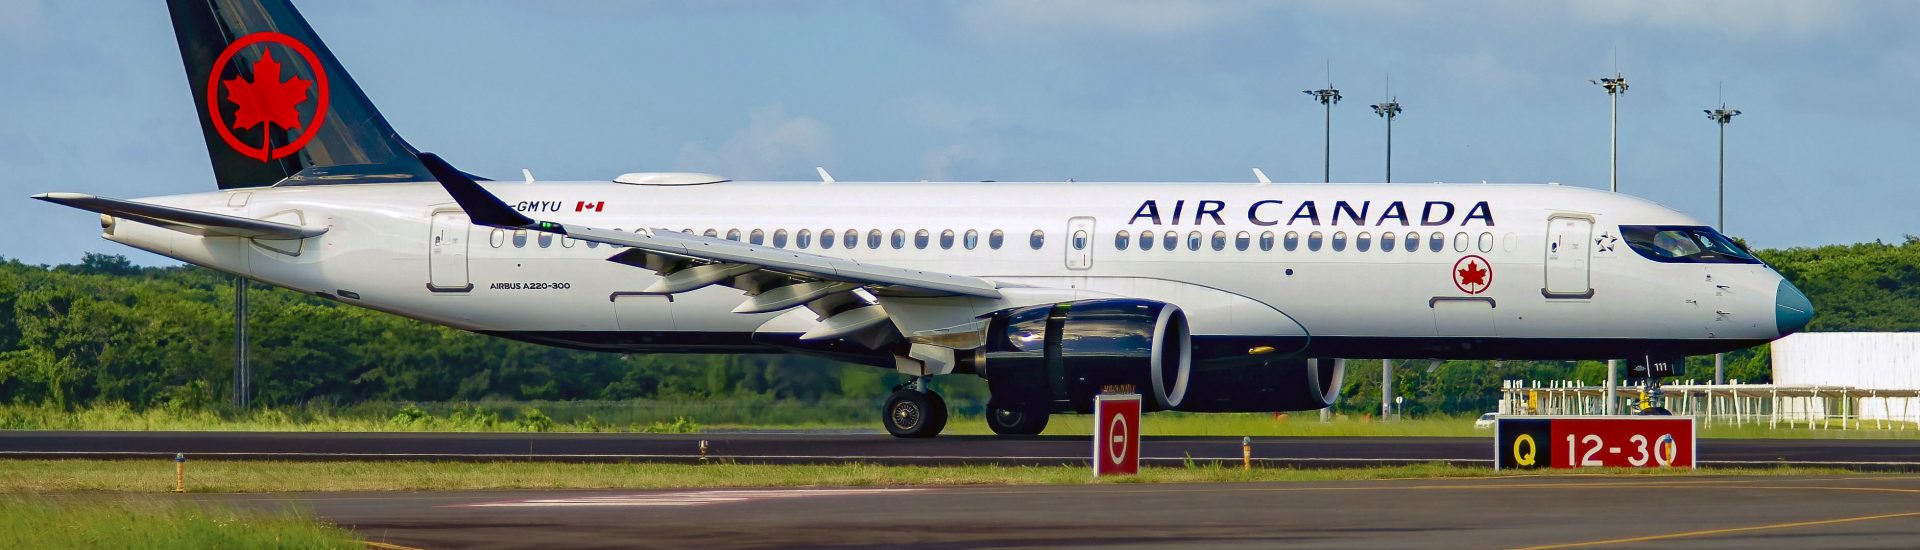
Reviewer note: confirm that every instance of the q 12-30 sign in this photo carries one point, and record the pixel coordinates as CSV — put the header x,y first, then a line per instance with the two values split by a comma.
x,y
1524,442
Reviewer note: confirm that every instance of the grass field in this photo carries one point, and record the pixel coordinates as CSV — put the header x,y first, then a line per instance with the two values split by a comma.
x,y
761,414
75,476
94,521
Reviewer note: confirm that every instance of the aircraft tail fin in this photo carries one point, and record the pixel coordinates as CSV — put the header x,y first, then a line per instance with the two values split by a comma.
x,y
275,106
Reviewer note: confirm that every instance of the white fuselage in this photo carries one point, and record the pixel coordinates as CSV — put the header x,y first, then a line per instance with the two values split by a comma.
x,y
1564,293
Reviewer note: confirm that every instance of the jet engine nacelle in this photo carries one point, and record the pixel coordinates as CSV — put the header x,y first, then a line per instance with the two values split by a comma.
x,y
1059,356
1290,384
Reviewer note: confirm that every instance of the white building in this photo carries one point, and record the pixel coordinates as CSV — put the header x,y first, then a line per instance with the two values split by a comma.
x,y
1863,360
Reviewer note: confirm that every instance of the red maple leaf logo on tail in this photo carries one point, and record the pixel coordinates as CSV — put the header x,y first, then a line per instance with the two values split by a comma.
x,y
267,99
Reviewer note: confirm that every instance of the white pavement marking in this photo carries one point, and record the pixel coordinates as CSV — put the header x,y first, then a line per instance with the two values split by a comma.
x,y
683,498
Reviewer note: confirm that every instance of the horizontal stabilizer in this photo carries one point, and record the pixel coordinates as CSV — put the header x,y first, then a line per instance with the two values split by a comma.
x,y
483,207
183,220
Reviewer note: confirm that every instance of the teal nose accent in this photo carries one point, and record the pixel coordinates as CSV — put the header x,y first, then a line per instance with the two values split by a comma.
x,y
1791,310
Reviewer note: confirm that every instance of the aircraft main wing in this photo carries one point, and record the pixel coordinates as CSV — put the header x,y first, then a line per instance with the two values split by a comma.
x,y
183,220
773,278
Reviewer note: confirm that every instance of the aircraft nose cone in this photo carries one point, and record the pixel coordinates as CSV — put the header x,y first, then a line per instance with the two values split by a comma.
x,y
1791,310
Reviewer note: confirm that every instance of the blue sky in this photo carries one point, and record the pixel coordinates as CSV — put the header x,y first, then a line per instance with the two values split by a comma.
x,y
94,98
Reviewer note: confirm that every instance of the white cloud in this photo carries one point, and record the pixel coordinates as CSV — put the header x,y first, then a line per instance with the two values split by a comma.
x,y
1071,19
1742,18
773,145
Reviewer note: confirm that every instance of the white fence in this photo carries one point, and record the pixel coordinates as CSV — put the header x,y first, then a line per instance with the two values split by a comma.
x,y
1810,406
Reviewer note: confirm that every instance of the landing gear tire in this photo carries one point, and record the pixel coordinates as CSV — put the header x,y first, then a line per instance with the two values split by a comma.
x,y
1016,421
1656,411
912,413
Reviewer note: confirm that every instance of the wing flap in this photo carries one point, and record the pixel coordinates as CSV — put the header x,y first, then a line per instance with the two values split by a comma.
x,y
183,220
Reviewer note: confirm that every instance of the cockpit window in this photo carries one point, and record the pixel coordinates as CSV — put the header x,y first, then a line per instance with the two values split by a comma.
x,y
1684,244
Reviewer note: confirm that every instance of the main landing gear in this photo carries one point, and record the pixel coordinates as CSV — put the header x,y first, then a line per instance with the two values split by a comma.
x,y
1018,420
915,411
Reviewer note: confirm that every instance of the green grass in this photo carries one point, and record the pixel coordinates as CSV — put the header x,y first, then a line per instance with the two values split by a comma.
x,y
93,521
74,476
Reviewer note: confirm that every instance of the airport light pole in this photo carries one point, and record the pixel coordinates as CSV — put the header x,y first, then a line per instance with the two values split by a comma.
x,y
1615,86
1722,115
242,364
1388,110
1327,97
1386,389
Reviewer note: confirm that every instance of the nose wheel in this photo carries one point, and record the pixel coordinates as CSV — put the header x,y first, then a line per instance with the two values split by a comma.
x,y
915,413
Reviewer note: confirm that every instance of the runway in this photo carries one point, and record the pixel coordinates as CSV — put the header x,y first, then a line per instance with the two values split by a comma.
x,y
1521,512
789,448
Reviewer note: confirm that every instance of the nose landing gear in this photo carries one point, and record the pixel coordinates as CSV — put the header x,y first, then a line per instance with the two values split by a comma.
x,y
915,411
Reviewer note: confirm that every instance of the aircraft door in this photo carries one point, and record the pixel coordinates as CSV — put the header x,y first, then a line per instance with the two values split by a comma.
x,y
447,253
1569,257
1080,243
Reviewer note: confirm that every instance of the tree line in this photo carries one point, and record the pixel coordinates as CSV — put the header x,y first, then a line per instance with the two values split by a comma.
x,y
105,330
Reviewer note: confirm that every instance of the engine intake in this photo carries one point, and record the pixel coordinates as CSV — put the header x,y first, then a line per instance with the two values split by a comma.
x,y
1059,356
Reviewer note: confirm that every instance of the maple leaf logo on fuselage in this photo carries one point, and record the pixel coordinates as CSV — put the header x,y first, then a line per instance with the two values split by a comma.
x,y
267,99
1472,275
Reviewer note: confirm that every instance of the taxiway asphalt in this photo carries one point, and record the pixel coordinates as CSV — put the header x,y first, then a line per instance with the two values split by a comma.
x,y
1860,511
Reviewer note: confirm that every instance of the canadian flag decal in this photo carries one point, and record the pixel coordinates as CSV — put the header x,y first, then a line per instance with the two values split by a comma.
x,y
584,206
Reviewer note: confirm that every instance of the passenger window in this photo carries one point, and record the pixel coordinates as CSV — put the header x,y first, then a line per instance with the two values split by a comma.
x,y
1121,239
566,242
757,237
615,246
1219,241
1486,242
1293,241
1313,241
1266,241
874,238
779,238
1242,241
946,239
1413,241
1386,242
546,240
733,234
710,233
1437,242
805,238
850,238
1362,242
826,238
1146,240
1460,242
1170,241
972,239
1193,240
899,239
995,239
1339,241
1038,239
920,239
519,238
1080,239
497,238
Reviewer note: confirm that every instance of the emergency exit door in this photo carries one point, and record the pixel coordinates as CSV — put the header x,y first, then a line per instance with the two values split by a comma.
x,y
1569,257
447,253
1080,243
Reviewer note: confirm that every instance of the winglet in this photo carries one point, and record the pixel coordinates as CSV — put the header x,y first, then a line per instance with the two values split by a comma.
x,y
1261,176
483,207
824,176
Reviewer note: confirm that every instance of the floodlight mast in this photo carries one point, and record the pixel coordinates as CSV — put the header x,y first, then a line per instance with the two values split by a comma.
x,y
1722,116
1615,86
1327,97
1388,110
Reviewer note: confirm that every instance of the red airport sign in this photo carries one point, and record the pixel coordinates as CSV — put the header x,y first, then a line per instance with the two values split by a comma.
x,y
1527,442
1116,434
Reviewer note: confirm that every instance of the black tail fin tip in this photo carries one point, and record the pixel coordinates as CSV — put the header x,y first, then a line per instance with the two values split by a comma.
x,y
275,106
481,206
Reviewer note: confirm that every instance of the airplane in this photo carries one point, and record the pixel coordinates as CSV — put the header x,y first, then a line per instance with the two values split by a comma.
x,y
1208,297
